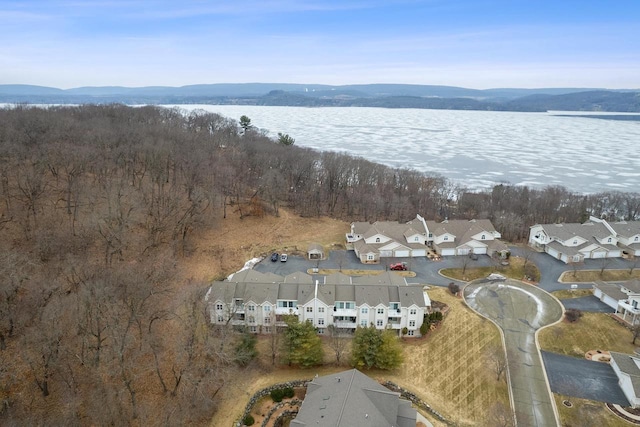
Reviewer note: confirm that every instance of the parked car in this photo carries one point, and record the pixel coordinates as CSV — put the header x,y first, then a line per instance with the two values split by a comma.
x,y
274,257
399,266
283,258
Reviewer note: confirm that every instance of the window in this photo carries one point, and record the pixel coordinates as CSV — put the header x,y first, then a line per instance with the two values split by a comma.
x,y
416,239
267,308
364,310
267,330
575,242
267,320
252,319
483,237
412,323
410,333
253,329
413,311
381,311
377,240
321,331
446,238
379,323
363,323
287,304
430,235
220,319
309,309
251,307
370,257
320,309
218,306
320,322
636,239
609,240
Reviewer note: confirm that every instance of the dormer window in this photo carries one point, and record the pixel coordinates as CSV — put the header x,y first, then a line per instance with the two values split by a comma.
x,y
609,240
415,239
575,242
636,239
377,240
483,237
446,238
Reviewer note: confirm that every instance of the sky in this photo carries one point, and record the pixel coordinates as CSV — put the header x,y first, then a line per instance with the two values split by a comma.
x,y
470,43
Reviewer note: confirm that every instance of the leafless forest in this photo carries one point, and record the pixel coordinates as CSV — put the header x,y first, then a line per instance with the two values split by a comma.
x,y
99,204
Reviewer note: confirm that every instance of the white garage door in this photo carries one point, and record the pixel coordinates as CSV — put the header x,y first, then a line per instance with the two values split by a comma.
x,y
401,254
386,254
463,251
448,252
552,252
480,251
598,254
419,252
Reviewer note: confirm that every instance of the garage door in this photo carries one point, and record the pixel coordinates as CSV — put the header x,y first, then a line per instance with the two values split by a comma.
x,y
480,251
463,251
552,252
448,252
598,254
386,254
402,254
419,252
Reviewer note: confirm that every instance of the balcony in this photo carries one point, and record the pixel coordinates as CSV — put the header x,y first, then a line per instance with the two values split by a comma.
x,y
345,325
286,310
351,312
394,324
394,313
628,307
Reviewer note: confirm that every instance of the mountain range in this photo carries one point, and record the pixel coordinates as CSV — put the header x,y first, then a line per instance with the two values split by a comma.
x,y
364,95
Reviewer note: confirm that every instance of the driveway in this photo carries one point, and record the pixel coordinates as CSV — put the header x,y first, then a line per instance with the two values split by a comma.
x,y
520,310
588,303
583,378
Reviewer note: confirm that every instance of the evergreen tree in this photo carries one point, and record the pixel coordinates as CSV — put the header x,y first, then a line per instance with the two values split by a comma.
x,y
376,348
302,345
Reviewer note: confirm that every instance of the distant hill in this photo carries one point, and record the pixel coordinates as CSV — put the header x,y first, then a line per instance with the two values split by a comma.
x,y
369,95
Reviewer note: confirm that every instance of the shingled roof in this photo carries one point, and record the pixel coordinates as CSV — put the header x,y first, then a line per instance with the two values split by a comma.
x,y
350,398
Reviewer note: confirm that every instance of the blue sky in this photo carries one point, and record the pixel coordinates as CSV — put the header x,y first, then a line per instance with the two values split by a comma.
x,y
470,43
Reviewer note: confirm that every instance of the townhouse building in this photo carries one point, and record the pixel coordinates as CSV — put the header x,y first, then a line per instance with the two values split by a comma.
x,y
260,301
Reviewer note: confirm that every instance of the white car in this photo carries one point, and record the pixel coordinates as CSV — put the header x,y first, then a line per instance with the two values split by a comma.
x,y
283,258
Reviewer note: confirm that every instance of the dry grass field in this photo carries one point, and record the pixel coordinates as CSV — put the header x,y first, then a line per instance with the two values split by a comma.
x,y
515,270
586,276
585,413
593,331
572,293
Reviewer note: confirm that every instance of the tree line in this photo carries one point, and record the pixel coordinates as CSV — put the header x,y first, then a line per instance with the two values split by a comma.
x,y
99,204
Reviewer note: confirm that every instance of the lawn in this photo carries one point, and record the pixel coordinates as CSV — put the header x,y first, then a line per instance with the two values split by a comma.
x,y
586,276
572,293
586,413
515,270
593,331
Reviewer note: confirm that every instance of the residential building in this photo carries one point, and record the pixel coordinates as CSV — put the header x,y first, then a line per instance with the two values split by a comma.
x,y
350,398
259,301
627,368
462,237
595,239
385,239
416,238
623,298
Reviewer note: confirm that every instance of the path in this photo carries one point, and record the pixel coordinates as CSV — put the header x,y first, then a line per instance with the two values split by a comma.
x,y
520,310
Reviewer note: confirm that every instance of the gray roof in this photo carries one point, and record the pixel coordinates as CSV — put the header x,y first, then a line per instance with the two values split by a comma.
x,y
315,248
633,285
611,290
349,399
626,229
627,365
568,231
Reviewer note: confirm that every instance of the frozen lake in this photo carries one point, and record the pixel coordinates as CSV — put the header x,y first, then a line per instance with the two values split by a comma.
x,y
475,148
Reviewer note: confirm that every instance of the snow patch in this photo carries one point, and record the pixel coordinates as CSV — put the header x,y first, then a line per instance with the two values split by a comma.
x,y
247,266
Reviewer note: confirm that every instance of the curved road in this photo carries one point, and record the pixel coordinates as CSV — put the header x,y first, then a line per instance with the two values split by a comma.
x,y
520,310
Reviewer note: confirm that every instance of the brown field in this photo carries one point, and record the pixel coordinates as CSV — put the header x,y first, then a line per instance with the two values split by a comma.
x,y
572,293
586,413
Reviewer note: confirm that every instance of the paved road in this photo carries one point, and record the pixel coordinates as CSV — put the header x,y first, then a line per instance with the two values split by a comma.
x,y
583,378
588,303
520,310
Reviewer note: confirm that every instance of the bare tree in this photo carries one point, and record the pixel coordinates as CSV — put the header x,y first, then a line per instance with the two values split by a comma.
x,y
498,360
339,340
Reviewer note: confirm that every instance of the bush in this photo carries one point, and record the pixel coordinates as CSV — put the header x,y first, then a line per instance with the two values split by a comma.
x,y
288,392
248,420
573,314
277,395
424,328
435,316
405,330
453,288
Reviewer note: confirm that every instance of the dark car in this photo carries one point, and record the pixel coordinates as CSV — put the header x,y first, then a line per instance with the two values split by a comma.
x,y
274,257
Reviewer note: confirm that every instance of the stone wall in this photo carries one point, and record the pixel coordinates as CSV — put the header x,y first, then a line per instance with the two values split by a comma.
x,y
406,394
265,392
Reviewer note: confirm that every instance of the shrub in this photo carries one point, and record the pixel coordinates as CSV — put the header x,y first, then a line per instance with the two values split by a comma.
x,y
435,316
248,420
453,288
405,330
424,328
277,395
573,314
288,392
